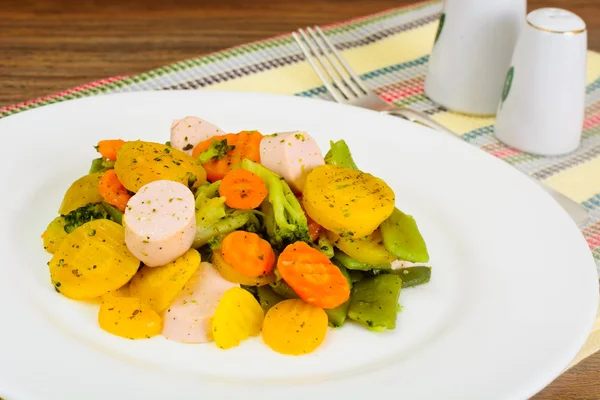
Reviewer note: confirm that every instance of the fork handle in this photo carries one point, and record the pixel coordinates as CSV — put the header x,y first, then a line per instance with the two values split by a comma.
x,y
576,211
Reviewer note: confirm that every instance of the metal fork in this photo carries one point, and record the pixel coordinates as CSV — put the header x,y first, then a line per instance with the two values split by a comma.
x,y
346,87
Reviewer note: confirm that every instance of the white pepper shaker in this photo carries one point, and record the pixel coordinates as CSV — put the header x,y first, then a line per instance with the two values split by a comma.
x,y
543,104
472,51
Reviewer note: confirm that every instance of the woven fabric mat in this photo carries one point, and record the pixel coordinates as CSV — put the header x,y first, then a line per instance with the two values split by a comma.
x,y
390,51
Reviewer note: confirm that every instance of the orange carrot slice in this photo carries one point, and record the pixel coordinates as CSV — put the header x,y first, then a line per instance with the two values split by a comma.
x,y
247,146
110,148
243,189
232,275
112,190
248,254
312,276
216,169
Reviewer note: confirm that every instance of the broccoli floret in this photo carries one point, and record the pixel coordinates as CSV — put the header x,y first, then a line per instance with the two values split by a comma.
x,y
114,213
101,165
213,217
206,192
88,213
214,220
217,150
232,222
210,208
254,225
215,242
284,219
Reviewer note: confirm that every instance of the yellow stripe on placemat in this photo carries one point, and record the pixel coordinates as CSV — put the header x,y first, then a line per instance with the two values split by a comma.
x,y
400,48
580,182
593,66
462,124
300,77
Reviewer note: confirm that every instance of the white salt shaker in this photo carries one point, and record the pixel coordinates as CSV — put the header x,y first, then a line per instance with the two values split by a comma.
x,y
543,105
472,51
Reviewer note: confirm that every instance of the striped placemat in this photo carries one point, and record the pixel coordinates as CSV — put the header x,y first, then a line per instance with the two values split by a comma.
x,y
390,51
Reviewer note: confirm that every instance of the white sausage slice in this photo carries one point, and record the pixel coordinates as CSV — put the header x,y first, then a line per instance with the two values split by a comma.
x,y
291,155
189,131
188,320
160,222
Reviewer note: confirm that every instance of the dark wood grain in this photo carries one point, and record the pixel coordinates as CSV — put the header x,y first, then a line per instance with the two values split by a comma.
x,y
50,45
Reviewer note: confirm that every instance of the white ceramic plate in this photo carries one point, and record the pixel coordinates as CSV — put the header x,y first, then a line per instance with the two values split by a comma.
x,y
512,298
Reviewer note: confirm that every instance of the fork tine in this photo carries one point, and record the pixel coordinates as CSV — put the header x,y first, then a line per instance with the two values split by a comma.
x,y
326,48
317,52
346,83
330,88
343,62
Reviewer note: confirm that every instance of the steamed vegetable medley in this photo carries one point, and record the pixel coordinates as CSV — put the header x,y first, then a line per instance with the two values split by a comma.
x,y
221,237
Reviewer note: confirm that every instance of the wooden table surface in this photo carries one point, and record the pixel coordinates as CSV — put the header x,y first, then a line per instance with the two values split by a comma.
x,y
50,45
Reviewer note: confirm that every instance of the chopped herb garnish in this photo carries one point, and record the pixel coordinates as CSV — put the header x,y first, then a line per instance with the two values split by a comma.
x,y
191,178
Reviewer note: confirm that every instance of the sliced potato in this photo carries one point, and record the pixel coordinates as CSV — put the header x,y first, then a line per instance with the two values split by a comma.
x,y
158,286
129,317
294,327
369,249
92,260
229,273
82,192
346,201
237,317
54,234
139,163
123,291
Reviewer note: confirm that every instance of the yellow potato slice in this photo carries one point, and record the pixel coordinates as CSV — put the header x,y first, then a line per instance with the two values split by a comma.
x,y
294,327
346,201
92,260
123,291
129,317
139,163
158,286
54,234
238,316
81,193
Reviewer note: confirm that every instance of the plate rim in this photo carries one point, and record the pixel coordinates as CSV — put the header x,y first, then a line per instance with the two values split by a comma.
x,y
102,97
